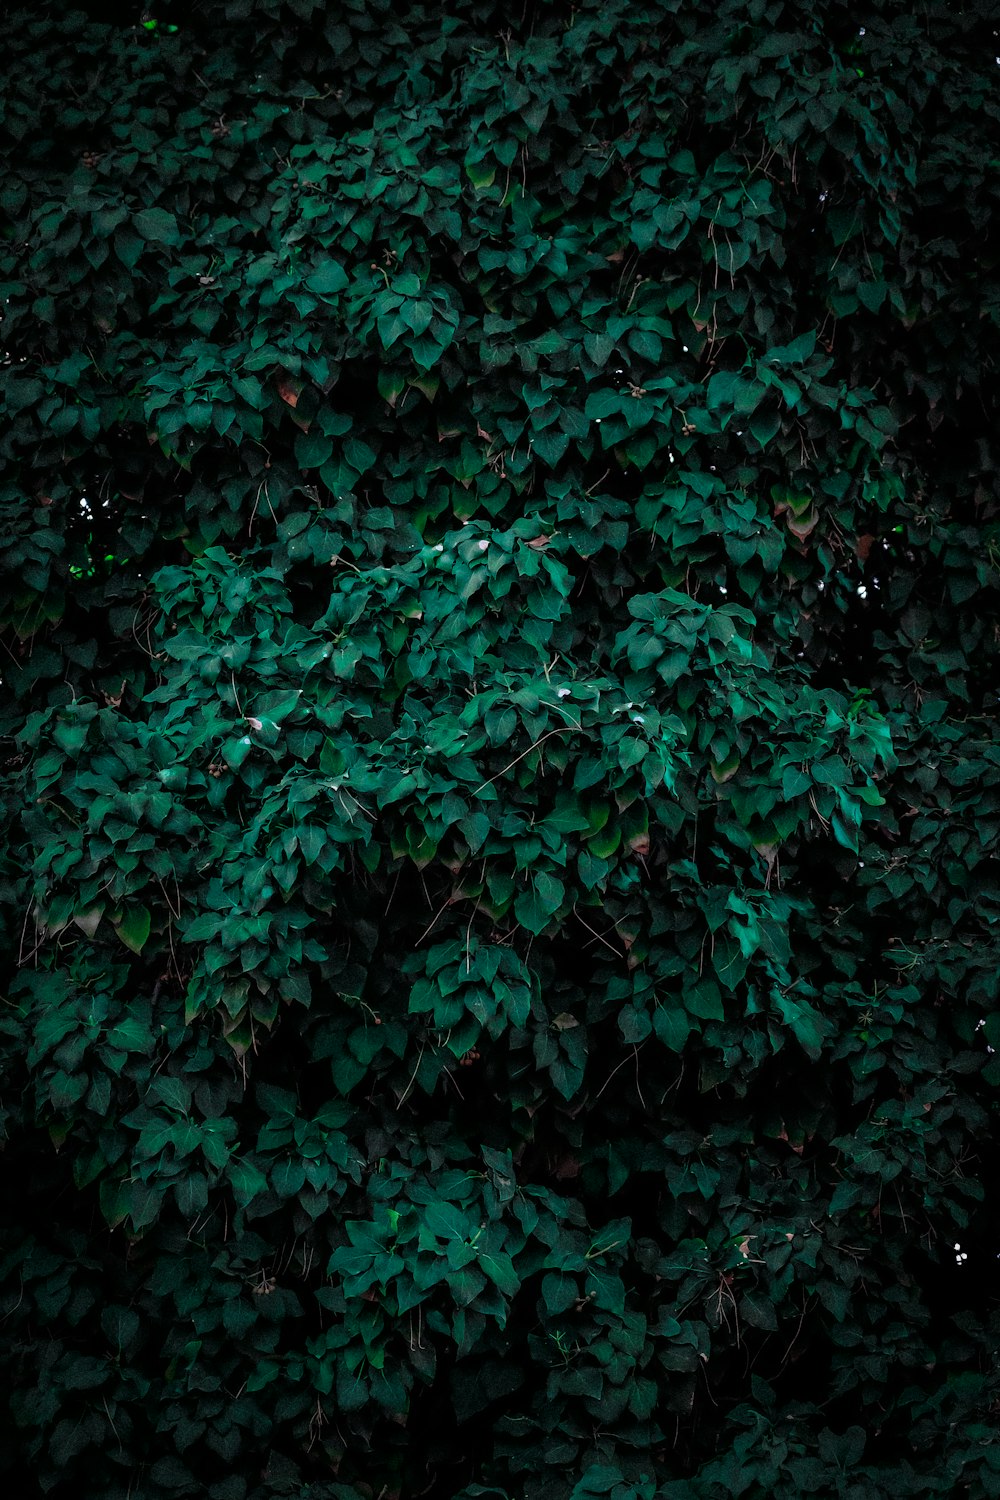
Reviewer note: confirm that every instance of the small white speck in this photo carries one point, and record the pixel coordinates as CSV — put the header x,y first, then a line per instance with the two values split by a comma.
x,y
685,348
483,545
562,692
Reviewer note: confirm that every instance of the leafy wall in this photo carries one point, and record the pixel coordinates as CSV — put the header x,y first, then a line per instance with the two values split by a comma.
x,y
501,790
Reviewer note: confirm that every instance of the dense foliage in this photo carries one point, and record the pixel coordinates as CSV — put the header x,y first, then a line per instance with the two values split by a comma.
x,y
502,802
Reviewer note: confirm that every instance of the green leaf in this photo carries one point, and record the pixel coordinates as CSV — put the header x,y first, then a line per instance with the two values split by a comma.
x,y
235,752
810,1029
500,1270
328,279
599,348
559,1292
757,1312
481,174
550,891
446,1221
534,907
872,294
121,1327
157,224
247,1181
475,830
313,449
133,927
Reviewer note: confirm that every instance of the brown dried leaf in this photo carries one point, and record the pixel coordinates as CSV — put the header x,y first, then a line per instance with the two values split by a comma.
x,y
803,526
290,389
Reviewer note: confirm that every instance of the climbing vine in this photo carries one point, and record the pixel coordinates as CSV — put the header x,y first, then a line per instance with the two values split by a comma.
x,y
499,774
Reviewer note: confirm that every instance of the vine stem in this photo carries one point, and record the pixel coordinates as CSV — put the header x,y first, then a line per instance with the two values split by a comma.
x,y
559,729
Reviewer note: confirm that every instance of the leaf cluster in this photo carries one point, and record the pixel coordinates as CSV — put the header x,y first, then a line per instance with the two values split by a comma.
x,y
501,853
